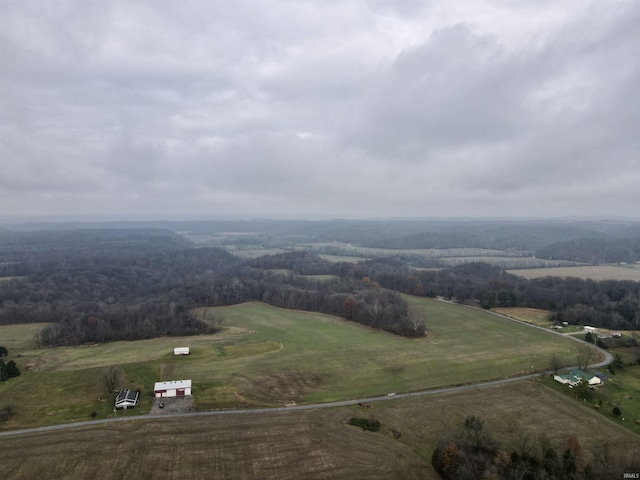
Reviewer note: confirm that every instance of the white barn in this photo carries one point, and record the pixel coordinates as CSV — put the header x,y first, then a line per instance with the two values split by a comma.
x,y
172,388
181,351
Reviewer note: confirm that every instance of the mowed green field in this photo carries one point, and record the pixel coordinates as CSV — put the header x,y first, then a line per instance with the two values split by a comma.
x,y
271,356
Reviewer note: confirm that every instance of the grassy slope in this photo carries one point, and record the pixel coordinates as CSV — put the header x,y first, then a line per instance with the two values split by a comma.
x,y
271,356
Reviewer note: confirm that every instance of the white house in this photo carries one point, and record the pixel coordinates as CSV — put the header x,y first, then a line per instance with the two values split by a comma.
x,y
181,351
574,376
172,388
590,329
127,398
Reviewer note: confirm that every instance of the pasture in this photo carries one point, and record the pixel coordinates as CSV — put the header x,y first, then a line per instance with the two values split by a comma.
x,y
315,444
598,272
19,337
268,356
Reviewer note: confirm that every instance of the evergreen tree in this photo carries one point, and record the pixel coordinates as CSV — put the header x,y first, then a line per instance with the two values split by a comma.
x,y
12,369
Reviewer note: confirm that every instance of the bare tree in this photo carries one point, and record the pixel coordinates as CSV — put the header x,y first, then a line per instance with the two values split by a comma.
x,y
555,363
417,324
215,319
525,444
585,355
374,308
111,378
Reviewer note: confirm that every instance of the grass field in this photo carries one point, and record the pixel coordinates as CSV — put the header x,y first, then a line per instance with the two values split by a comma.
x,y
271,356
599,272
621,390
315,444
533,316
19,337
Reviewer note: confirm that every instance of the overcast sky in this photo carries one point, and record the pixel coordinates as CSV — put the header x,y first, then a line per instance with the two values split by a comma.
x,y
324,109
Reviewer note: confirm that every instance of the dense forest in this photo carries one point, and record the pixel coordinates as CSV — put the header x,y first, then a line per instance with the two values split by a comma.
x,y
102,284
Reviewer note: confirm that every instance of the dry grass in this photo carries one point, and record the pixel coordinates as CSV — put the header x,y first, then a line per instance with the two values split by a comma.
x,y
534,316
601,272
19,337
311,444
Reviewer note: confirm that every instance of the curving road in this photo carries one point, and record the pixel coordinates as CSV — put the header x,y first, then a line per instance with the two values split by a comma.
x,y
607,359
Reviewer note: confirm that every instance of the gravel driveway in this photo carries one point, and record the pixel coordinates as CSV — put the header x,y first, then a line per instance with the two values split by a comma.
x,y
172,405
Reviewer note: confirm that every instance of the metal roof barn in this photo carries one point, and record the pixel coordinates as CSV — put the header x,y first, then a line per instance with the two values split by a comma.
x,y
172,388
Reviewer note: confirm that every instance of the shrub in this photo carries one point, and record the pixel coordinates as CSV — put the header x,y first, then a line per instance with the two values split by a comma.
x,y
6,412
368,424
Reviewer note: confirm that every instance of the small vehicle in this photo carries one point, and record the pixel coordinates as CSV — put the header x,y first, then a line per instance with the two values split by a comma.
x,y
161,405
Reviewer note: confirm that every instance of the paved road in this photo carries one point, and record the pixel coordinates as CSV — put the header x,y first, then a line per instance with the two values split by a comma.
x,y
459,388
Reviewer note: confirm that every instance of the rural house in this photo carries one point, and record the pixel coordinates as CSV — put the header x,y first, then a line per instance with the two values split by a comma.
x,y
127,398
181,351
172,388
574,376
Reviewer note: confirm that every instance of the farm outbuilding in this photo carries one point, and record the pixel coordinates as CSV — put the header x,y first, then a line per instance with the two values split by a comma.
x,y
127,398
181,351
172,388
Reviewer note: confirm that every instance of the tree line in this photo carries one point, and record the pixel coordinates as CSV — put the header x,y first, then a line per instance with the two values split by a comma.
x,y
471,451
108,285
612,304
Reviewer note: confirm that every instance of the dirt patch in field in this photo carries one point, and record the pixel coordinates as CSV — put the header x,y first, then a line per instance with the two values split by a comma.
x,y
289,387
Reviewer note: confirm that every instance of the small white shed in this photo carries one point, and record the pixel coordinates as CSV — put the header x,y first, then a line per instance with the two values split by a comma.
x,y
172,388
181,351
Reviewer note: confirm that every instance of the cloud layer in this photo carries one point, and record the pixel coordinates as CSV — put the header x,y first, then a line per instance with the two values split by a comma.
x,y
319,109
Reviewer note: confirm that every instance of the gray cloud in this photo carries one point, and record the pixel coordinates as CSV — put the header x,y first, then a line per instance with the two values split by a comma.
x,y
343,109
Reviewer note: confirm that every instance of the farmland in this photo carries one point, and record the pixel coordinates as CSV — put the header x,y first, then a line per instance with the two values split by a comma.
x,y
444,257
268,356
310,444
533,316
598,272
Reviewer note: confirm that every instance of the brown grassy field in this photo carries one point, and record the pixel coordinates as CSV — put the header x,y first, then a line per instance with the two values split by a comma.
x,y
534,316
317,444
599,272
